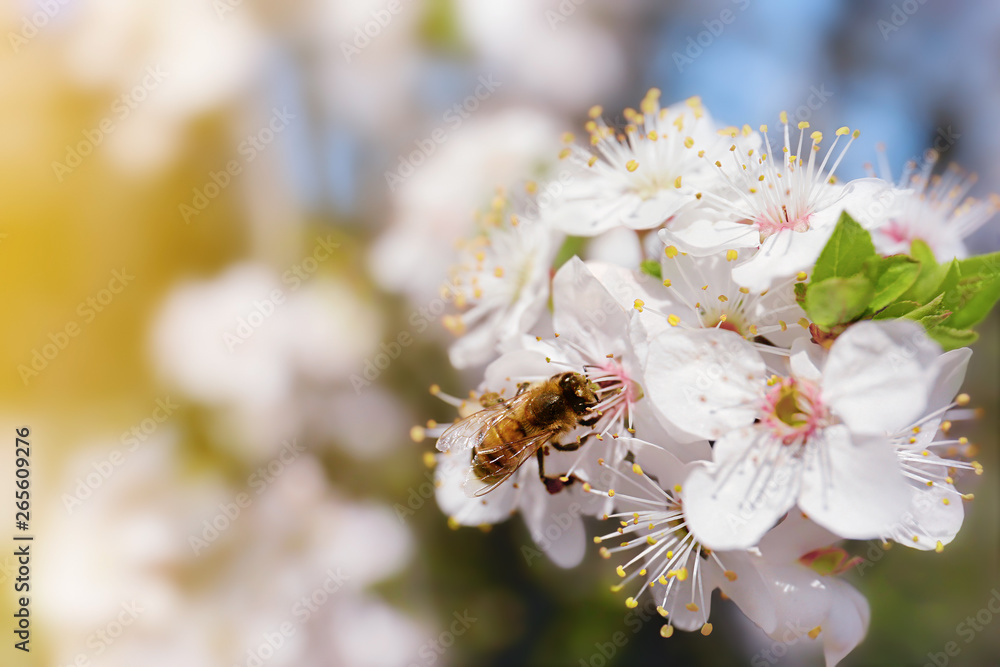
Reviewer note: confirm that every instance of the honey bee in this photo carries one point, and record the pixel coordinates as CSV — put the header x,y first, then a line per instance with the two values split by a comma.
x,y
503,435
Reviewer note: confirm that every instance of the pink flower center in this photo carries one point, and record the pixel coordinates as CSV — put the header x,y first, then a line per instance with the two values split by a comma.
x,y
612,375
780,218
897,231
793,410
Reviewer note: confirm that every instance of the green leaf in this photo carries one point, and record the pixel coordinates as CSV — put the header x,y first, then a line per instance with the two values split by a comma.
x,y
651,268
929,279
949,286
896,310
950,338
894,275
981,296
838,300
573,245
982,266
845,254
931,314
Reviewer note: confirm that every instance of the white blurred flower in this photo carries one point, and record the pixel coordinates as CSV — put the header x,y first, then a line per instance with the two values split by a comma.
x,y
247,344
933,209
501,285
551,53
289,554
204,61
435,207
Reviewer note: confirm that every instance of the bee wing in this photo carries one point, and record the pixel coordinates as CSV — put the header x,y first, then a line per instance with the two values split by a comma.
x,y
468,432
524,448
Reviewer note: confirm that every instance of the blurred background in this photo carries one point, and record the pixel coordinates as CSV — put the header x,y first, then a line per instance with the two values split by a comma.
x,y
217,214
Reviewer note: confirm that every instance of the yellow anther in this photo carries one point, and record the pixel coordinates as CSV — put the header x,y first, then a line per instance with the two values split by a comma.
x,y
804,125
691,606
565,153
843,130
667,631
783,117
621,571
417,434
670,251
632,165
673,320
731,255
706,629
962,399
814,633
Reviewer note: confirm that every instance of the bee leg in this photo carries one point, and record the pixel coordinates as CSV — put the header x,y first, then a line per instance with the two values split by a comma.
x,y
552,484
589,421
571,446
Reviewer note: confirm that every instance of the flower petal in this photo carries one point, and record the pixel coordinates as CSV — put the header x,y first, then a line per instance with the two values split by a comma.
x,y
704,381
781,255
554,521
732,503
707,237
853,487
876,378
